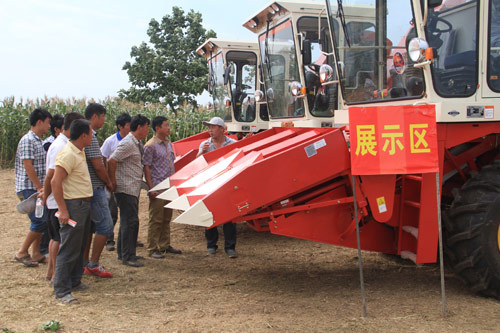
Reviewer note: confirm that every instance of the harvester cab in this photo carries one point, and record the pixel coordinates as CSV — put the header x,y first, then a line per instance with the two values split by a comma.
x,y
233,80
419,52
295,41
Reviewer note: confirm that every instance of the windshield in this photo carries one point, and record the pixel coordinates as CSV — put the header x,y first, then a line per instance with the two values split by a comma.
x,y
321,100
280,69
371,49
451,29
217,88
243,76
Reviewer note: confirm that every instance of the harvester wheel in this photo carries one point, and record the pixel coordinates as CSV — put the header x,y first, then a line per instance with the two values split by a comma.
x,y
472,232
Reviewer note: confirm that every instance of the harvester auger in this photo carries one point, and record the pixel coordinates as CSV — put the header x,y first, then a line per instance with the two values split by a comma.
x,y
343,105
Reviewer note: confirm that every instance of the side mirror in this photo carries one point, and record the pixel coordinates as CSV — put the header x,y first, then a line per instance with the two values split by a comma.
x,y
227,71
306,52
434,3
211,83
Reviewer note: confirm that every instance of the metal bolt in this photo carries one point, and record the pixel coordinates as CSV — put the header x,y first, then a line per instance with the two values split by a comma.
x,y
274,221
236,187
275,227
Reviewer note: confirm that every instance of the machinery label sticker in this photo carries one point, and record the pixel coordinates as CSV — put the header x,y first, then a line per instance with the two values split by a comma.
x,y
320,144
382,208
489,112
393,139
310,150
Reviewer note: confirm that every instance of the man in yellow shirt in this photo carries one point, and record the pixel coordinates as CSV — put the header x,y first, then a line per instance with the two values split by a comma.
x,y
72,191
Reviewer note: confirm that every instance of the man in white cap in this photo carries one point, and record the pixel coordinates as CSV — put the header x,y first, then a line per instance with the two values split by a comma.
x,y
216,129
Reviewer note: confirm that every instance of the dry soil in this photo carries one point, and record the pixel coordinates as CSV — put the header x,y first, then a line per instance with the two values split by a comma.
x,y
277,284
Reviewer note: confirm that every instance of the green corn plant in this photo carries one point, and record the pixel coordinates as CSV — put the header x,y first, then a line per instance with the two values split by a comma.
x,y
14,118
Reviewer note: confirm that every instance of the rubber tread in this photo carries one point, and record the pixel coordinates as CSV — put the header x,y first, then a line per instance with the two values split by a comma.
x,y
469,235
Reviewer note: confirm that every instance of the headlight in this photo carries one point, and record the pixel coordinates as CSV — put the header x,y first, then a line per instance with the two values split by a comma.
x,y
296,88
325,73
416,49
259,96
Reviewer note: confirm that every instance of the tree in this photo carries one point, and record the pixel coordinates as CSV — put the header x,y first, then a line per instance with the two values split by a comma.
x,y
167,69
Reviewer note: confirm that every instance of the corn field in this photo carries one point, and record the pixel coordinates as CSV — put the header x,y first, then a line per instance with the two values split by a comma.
x,y
14,119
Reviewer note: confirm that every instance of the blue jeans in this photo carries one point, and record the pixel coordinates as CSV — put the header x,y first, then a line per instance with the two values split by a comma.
x,y
37,223
99,213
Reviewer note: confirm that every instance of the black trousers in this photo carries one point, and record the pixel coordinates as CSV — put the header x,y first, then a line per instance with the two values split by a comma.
x,y
129,226
212,236
69,268
113,209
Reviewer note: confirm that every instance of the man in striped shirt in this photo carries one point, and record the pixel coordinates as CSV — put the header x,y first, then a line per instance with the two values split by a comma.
x,y
102,223
126,171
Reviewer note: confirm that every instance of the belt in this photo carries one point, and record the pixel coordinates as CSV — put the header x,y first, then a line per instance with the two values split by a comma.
x,y
86,199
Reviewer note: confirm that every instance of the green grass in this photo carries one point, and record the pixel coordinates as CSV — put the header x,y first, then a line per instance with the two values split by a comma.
x,y
14,119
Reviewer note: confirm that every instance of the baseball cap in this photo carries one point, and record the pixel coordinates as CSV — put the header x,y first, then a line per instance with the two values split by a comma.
x,y
215,121
27,205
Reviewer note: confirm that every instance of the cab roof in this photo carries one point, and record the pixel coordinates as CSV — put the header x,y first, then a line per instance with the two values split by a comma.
x,y
213,45
280,8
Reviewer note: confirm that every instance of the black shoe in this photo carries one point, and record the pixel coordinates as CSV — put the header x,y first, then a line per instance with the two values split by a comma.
x,y
211,250
135,258
139,244
172,250
231,253
156,255
133,263
110,245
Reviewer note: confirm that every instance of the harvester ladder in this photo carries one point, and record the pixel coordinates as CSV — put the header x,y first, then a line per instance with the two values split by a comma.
x,y
410,216
417,223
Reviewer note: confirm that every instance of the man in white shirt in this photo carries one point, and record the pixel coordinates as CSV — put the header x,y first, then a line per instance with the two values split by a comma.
x,y
108,147
48,197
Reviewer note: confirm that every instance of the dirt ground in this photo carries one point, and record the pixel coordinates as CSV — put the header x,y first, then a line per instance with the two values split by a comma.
x,y
277,284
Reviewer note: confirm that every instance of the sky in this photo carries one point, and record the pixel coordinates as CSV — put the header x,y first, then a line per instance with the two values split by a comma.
x,y
76,48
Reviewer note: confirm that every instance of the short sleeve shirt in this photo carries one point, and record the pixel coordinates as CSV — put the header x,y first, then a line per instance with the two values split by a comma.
x,y
92,152
77,184
110,144
159,156
47,142
30,147
211,146
54,149
129,169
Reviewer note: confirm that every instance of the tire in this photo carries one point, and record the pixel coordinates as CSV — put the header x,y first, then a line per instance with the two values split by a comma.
x,y
472,234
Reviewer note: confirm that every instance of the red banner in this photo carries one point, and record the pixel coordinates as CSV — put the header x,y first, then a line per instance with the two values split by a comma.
x,y
393,139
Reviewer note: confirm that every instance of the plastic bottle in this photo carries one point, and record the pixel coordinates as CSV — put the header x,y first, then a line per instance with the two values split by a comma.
x,y
39,208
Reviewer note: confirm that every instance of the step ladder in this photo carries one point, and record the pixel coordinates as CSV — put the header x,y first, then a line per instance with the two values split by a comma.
x,y
418,231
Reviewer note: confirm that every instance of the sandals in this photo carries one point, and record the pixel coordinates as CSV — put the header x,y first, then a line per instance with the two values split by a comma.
x,y
42,260
67,299
26,261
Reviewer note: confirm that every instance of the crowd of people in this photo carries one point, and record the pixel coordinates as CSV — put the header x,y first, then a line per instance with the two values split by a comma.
x,y
82,186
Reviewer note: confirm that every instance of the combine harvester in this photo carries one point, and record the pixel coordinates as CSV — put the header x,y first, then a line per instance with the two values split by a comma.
x,y
380,128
